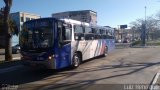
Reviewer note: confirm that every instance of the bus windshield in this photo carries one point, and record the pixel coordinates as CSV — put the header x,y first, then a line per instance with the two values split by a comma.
x,y
37,36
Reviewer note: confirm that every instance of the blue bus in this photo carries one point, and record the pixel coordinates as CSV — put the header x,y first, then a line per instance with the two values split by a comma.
x,y
58,43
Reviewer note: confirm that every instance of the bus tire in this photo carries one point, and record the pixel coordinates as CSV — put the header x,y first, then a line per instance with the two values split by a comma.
x,y
76,60
105,52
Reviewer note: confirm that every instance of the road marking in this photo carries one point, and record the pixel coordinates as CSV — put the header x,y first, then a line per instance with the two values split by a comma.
x,y
13,68
154,81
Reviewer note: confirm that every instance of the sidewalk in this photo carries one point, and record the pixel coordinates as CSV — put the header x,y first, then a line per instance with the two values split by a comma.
x,y
5,64
2,55
15,57
2,51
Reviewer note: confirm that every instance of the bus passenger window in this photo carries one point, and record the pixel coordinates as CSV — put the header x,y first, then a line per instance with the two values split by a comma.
x,y
93,30
66,32
97,31
103,32
88,30
89,33
79,32
97,34
106,32
78,29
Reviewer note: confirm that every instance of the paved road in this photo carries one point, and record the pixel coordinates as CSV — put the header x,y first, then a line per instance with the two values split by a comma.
x,y
123,66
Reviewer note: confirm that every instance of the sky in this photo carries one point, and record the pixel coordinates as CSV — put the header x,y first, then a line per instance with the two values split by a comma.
x,y
109,12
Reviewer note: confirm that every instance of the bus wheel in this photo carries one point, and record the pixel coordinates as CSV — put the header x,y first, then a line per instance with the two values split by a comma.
x,y
75,61
105,52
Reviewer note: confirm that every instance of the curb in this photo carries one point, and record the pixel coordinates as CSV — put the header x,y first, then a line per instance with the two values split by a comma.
x,y
145,46
15,58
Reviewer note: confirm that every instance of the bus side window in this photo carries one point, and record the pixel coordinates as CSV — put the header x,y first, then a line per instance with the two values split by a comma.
x,y
103,33
106,32
78,32
66,33
59,31
78,29
88,33
97,34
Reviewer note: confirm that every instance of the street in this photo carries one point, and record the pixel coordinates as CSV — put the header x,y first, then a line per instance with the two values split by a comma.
x,y
120,67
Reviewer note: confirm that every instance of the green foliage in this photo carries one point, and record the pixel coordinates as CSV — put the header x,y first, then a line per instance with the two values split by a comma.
x,y
137,43
12,25
149,43
1,22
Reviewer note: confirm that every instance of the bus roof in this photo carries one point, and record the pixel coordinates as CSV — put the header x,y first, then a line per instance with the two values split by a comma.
x,y
75,22
71,21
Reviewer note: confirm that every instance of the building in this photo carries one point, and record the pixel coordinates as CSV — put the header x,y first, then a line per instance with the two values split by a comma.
x,y
20,18
123,34
88,16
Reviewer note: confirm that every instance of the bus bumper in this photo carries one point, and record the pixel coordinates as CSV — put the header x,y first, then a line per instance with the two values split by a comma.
x,y
48,64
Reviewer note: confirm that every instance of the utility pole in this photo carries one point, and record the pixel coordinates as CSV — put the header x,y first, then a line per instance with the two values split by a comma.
x,y
144,30
145,13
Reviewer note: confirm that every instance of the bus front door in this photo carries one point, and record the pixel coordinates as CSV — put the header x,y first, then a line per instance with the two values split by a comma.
x,y
64,45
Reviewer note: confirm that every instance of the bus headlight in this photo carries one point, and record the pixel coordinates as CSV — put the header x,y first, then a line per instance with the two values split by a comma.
x,y
50,57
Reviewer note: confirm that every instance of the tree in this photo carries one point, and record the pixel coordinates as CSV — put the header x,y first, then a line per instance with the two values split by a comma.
x,y
136,27
12,24
8,49
1,19
158,19
151,26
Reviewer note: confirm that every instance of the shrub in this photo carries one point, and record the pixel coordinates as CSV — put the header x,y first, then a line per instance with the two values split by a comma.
x,y
136,43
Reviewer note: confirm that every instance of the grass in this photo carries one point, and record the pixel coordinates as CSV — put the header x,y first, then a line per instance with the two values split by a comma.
x,y
153,43
148,43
